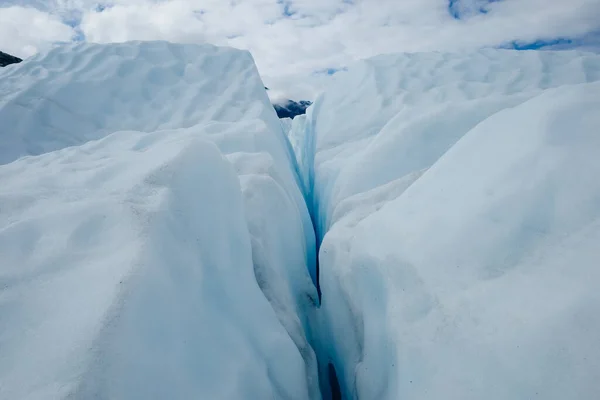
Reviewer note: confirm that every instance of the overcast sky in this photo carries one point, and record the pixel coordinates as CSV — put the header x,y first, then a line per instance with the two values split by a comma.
x,y
298,43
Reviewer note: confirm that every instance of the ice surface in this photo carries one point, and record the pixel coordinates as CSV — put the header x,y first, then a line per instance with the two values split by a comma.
x,y
166,258
155,241
143,87
392,115
458,201
286,124
298,135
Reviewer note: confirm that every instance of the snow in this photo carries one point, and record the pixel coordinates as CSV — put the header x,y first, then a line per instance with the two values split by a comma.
x,y
156,234
143,87
153,237
458,203
298,135
286,124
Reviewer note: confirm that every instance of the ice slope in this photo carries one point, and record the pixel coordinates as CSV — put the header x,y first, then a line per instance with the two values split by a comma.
x,y
379,114
458,203
299,138
144,87
286,124
166,258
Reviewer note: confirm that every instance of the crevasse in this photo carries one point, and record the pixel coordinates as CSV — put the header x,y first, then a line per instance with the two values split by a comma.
x,y
157,238
456,247
154,241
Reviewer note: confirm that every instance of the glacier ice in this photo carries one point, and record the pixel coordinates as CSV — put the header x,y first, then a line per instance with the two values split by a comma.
x,y
286,125
458,204
159,227
142,86
154,241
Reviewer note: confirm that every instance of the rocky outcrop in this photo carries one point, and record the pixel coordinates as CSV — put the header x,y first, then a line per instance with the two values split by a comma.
x,y
292,108
6,59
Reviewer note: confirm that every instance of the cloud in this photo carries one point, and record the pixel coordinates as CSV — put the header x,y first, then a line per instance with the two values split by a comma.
x,y
26,31
292,40
175,21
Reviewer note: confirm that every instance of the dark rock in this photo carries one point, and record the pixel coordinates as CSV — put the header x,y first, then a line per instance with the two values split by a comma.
x,y
6,59
292,108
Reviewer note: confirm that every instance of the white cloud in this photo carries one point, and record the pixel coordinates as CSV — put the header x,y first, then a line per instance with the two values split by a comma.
x,y
26,31
291,39
174,21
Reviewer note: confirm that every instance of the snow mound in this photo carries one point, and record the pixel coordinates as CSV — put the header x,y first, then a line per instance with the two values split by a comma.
x,y
458,202
144,86
151,262
395,114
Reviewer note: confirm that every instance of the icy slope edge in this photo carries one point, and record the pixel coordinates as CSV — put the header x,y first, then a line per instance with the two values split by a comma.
x,y
457,204
133,265
81,92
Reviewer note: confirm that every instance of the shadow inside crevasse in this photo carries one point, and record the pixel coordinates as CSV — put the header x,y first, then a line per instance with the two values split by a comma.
x,y
334,384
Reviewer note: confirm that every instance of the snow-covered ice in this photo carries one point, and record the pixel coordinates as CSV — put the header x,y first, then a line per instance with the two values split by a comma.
x,y
286,124
157,240
154,242
458,200
83,92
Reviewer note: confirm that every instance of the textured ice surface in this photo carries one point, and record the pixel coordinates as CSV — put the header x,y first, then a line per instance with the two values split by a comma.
x,y
286,124
459,201
165,258
155,243
77,93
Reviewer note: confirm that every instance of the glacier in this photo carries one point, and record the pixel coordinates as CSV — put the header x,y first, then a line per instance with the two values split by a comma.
x,y
153,236
429,229
457,205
